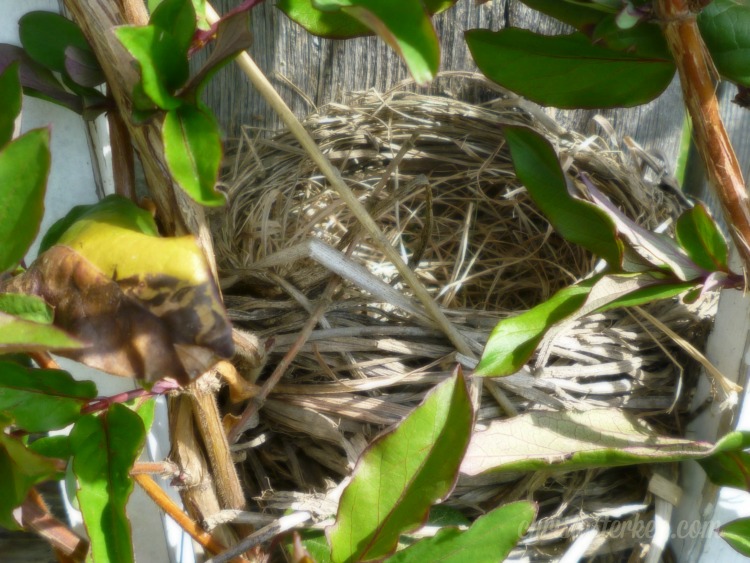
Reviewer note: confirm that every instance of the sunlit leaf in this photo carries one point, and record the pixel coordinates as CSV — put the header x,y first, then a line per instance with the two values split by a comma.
x,y
20,335
725,27
163,64
315,543
113,210
578,221
20,470
10,102
402,474
489,539
177,18
104,449
27,307
513,340
574,440
24,165
57,447
37,80
628,290
729,466
145,306
701,238
193,151
737,534
233,36
568,71
46,35
656,248
404,24
338,25
39,400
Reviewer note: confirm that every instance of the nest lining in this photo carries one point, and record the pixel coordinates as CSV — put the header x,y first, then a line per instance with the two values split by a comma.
x,y
436,175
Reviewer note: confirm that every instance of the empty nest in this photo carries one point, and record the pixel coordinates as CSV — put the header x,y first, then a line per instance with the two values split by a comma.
x,y
436,175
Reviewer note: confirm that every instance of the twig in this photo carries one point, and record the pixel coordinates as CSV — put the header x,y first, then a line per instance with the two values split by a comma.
x,y
165,468
36,516
256,76
285,362
155,492
282,525
44,360
698,86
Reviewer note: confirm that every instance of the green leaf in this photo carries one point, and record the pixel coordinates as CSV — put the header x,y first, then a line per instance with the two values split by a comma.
x,y
46,35
20,470
57,447
192,149
82,67
698,234
24,165
725,27
582,17
145,409
402,474
404,24
442,515
163,64
655,248
513,340
334,25
20,335
314,541
177,18
578,221
729,466
28,307
10,102
338,25
233,35
737,534
113,210
574,440
39,400
37,80
104,450
630,290
489,539
567,71
645,39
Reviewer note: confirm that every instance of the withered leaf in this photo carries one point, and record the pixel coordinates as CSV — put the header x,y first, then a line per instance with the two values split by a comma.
x,y
150,325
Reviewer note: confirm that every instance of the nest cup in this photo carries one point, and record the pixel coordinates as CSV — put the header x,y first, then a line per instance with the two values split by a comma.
x,y
435,174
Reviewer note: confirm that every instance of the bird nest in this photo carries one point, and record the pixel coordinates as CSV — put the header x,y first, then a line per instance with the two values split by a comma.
x,y
436,175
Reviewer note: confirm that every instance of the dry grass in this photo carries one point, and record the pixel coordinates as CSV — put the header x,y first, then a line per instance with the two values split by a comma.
x,y
436,175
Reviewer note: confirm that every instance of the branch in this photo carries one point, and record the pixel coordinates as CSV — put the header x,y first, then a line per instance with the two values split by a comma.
x,y
36,516
697,76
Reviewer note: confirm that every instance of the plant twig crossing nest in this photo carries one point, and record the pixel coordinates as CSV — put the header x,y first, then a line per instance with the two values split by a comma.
x,y
437,177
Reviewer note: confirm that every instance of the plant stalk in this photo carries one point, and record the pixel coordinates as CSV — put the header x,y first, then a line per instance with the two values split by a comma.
x,y
698,80
177,215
